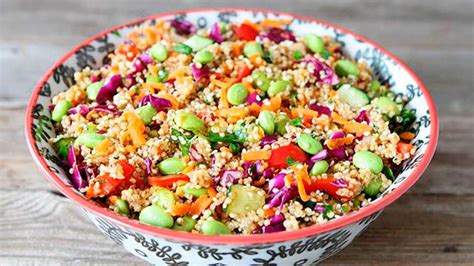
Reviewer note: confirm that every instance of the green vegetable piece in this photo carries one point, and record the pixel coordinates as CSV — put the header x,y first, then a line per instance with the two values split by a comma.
x,y
213,227
297,55
62,146
198,42
183,49
187,224
277,87
122,207
60,110
266,122
235,148
189,121
373,188
374,86
92,127
147,113
237,94
308,143
388,173
194,191
261,81
89,139
163,198
159,52
386,106
244,199
280,123
152,79
162,75
203,57
156,216
319,167
171,166
252,48
345,68
353,96
314,43
93,89
368,160
326,54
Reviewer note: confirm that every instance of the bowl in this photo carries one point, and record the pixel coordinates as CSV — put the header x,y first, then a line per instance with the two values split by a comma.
x,y
304,246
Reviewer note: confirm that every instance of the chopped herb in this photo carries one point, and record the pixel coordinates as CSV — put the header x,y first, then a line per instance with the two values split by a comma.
x,y
290,160
297,55
162,75
184,141
388,173
267,57
325,54
328,213
297,122
238,136
116,33
183,49
235,148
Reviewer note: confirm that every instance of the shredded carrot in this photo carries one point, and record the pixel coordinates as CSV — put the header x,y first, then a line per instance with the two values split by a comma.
x,y
269,212
274,23
188,168
259,182
136,129
336,118
275,104
180,209
357,128
150,35
249,87
103,146
212,192
322,121
237,48
256,60
301,175
200,204
295,112
171,98
218,83
404,148
289,178
256,155
233,114
223,100
252,24
407,135
178,72
336,143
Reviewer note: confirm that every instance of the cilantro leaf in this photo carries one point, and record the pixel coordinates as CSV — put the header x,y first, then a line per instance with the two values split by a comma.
x,y
290,160
184,141
297,122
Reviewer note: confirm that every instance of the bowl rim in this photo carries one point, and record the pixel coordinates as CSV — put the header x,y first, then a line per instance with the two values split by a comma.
x,y
302,233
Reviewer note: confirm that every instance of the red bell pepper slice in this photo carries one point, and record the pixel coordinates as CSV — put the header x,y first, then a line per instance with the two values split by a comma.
x,y
166,181
127,168
242,71
245,32
280,156
107,184
329,185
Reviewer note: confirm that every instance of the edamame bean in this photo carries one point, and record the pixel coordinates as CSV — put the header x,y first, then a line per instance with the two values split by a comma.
x,y
187,224
252,48
194,191
62,146
373,188
203,57
189,121
60,110
346,68
386,106
159,52
280,123
297,55
308,143
171,166
93,89
368,160
261,81
314,42
319,167
154,215
237,94
213,227
163,198
183,49
266,122
277,87
89,139
198,42
352,96
122,207
147,113
374,86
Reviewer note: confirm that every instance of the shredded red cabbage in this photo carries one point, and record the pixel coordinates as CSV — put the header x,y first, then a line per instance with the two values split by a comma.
x,y
146,58
268,173
280,198
182,26
340,183
278,35
268,140
319,208
157,102
81,109
195,155
322,71
254,98
51,107
216,34
77,180
320,109
363,116
199,73
108,91
84,110
253,168
94,78
273,228
229,177
338,153
337,135
138,65
129,80
148,166
278,182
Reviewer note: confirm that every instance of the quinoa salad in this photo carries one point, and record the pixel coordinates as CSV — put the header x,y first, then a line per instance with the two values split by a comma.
x,y
241,128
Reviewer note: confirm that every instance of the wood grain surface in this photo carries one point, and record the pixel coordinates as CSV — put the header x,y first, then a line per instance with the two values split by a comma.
x,y
432,224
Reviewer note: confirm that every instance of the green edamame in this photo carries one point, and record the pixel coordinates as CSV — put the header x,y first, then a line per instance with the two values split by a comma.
x,y
237,94
194,191
319,167
345,68
163,198
89,139
159,52
187,224
171,166
60,110
314,42
203,57
308,143
189,121
277,87
261,81
198,42
147,113
213,227
93,89
368,160
122,207
374,186
183,49
252,48
266,122
386,106
374,86
352,96
154,215
280,123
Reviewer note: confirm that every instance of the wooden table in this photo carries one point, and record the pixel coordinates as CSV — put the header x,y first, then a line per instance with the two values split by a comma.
x,y
432,224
